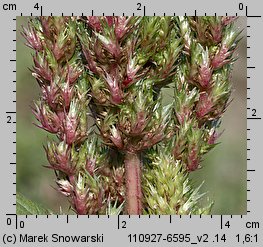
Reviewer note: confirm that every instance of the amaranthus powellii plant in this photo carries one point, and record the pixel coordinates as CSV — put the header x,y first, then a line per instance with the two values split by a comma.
x,y
119,149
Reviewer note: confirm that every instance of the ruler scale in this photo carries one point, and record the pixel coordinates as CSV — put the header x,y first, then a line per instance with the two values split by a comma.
x,y
164,230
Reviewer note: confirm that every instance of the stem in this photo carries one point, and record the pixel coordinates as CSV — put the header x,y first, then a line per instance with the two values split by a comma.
x,y
133,183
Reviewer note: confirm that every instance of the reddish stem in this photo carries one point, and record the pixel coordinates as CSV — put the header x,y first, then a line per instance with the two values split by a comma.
x,y
133,183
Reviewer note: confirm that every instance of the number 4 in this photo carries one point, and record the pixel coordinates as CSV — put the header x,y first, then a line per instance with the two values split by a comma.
x,y
227,224
36,6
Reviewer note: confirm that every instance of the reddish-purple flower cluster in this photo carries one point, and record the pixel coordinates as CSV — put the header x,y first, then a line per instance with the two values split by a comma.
x,y
203,87
118,55
114,69
62,110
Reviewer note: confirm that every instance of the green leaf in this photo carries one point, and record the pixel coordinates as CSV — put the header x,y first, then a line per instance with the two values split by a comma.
x,y
27,207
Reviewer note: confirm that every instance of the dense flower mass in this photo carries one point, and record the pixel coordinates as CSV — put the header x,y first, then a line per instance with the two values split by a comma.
x,y
119,148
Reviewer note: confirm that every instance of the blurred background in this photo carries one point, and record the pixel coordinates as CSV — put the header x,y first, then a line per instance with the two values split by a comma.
x,y
224,168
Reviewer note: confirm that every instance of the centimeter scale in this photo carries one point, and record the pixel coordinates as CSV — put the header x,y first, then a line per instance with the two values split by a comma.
x,y
164,230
